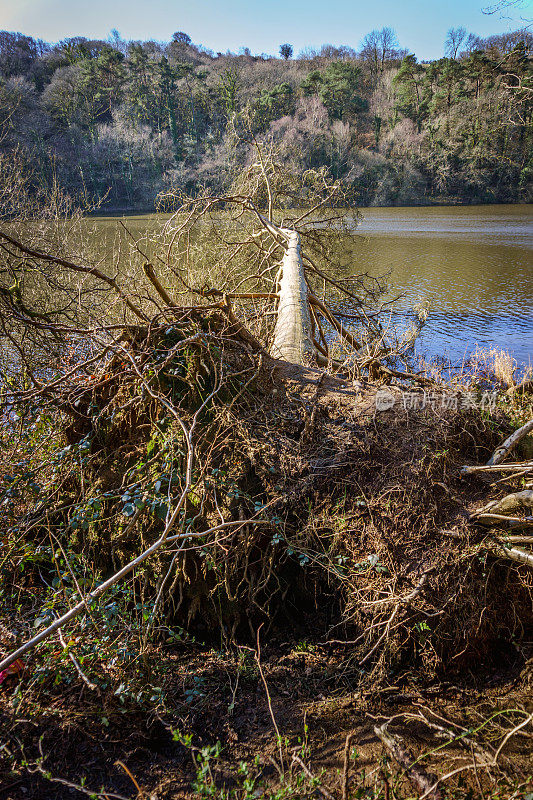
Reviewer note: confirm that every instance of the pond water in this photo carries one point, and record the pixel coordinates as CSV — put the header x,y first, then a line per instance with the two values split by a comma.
x,y
473,264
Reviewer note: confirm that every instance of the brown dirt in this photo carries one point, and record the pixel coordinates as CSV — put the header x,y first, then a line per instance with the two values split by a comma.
x,y
307,689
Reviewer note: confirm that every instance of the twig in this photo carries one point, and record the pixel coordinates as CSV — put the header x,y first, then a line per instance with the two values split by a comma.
x,y
512,522
346,766
76,786
156,283
511,733
383,635
323,791
79,670
131,777
75,268
257,657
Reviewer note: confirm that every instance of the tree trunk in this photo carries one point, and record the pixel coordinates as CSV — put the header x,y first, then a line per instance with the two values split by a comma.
x,y
293,331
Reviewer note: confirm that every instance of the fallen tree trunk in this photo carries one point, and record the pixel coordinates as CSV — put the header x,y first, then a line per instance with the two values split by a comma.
x,y
293,335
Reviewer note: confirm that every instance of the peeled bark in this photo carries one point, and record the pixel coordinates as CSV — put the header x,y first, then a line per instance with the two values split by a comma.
x,y
293,340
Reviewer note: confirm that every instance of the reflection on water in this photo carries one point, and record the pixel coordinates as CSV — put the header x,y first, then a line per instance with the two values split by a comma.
x,y
474,264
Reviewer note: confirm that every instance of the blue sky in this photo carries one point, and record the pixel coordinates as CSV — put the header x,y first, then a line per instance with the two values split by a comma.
x,y
421,25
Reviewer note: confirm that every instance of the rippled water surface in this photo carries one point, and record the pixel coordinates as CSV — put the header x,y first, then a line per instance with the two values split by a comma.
x,y
474,264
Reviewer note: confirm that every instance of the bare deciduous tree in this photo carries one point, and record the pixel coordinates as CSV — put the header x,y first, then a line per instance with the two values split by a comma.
x,y
379,47
454,39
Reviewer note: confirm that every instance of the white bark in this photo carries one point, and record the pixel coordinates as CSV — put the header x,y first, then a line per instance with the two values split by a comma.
x,y
508,504
513,553
293,331
524,466
501,452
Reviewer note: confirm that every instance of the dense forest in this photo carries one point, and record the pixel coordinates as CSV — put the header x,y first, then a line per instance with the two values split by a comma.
x,y
125,121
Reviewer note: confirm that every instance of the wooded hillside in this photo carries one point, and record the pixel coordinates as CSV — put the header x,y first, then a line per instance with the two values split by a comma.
x,y
128,120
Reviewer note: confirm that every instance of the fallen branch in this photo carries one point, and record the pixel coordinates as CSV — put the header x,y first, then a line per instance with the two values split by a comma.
x,y
103,588
421,780
340,329
501,452
508,504
526,466
378,370
512,553
321,789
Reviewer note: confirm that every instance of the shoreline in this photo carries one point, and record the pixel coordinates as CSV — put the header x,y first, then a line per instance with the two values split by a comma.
x,y
146,211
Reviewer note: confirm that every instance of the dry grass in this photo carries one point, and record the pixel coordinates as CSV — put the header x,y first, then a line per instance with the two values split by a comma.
x,y
496,365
